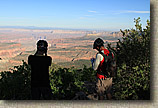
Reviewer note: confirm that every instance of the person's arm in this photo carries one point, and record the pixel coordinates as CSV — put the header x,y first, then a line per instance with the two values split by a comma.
x,y
97,61
50,61
29,60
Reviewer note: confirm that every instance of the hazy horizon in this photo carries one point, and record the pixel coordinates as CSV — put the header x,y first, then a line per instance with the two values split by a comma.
x,y
57,28
74,14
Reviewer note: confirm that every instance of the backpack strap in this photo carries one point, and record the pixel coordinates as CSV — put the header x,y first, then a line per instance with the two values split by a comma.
x,y
108,59
105,73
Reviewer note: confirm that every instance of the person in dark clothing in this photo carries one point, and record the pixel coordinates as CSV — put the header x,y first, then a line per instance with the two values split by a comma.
x,y
40,83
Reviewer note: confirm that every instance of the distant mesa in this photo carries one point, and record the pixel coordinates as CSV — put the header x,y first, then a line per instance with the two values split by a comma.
x,y
114,34
93,34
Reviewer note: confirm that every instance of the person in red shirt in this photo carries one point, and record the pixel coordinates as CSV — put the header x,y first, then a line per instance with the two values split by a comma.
x,y
104,81
40,83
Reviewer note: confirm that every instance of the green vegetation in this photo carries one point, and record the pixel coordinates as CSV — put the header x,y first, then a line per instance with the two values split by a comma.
x,y
7,44
133,72
30,52
20,57
15,84
66,82
133,62
72,48
79,64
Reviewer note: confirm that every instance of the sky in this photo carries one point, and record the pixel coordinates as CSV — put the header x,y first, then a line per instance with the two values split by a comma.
x,y
74,14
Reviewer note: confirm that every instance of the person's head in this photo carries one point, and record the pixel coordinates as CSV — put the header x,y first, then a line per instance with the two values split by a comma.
x,y
42,47
98,44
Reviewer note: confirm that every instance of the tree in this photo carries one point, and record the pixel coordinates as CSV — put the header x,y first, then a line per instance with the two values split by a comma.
x,y
133,62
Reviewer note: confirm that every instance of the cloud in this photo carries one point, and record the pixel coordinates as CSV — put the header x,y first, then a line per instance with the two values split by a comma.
x,y
138,11
101,14
92,11
88,15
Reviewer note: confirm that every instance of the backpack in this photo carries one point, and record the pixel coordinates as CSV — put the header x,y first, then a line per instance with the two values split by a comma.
x,y
110,64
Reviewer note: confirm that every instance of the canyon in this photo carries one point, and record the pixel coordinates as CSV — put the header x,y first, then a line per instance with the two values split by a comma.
x,y
64,46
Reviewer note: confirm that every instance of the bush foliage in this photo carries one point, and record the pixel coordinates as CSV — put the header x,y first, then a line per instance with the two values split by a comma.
x,y
133,63
16,84
133,72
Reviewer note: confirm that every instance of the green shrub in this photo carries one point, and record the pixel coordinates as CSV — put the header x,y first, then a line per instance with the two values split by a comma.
x,y
133,62
15,84
66,82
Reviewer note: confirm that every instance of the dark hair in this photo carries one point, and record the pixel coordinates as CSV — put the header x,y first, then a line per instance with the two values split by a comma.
x,y
42,41
42,46
98,43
